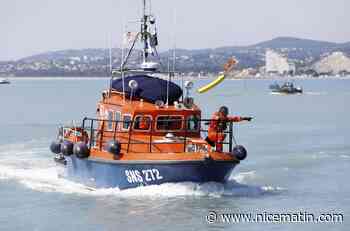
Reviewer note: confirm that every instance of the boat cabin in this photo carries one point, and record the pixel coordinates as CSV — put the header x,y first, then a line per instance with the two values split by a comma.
x,y
141,121
140,117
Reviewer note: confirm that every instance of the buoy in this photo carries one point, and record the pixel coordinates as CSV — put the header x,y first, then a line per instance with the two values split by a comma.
x,y
81,150
67,148
212,84
55,147
239,152
113,147
228,66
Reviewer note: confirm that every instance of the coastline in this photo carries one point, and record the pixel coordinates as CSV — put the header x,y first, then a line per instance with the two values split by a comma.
x,y
192,78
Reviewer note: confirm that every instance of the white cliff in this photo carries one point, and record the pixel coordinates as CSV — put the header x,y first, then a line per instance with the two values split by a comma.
x,y
334,63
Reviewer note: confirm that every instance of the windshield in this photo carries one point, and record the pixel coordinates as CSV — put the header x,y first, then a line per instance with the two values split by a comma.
x,y
169,123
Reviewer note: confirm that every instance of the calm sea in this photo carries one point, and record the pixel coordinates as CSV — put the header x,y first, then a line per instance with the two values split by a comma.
x,y
298,161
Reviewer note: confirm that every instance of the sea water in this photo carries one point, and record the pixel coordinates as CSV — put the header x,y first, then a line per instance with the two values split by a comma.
x,y
298,161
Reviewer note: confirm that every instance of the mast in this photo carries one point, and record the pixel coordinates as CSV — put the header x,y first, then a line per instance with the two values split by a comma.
x,y
147,36
144,32
110,66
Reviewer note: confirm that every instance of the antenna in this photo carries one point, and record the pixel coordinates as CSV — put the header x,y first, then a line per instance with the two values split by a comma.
x,y
122,60
174,52
144,7
144,32
110,64
167,84
110,53
174,48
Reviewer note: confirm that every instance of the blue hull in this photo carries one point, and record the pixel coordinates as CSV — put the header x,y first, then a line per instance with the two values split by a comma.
x,y
98,173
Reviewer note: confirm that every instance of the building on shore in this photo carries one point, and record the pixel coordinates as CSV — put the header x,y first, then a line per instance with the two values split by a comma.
x,y
277,63
335,63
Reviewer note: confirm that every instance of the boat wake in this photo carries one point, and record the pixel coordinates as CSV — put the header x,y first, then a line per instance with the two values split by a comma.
x,y
30,165
305,93
283,94
47,180
315,93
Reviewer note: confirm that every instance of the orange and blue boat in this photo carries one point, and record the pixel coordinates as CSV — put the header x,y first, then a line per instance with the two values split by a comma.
x,y
147,131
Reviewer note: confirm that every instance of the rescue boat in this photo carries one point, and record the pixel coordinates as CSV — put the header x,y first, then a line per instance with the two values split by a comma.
x,y
4,81
286,88
148,130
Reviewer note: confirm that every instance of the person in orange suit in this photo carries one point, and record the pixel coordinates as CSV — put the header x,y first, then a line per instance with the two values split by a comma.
x,y
144,123
218,125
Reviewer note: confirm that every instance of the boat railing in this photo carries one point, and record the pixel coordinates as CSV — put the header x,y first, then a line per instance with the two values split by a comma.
x,y
119,72
99,133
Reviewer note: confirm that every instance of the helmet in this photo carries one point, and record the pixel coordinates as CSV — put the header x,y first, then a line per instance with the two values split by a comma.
x,y
224,110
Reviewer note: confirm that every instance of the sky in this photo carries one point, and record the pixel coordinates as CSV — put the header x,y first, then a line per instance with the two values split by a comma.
x,y
29,27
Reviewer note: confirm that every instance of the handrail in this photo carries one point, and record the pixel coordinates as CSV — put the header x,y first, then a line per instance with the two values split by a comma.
x,y
230,136
91,133
185,138
88,126
129,134
150,139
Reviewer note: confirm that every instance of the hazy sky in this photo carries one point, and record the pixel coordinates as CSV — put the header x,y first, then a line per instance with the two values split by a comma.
x,y
32,26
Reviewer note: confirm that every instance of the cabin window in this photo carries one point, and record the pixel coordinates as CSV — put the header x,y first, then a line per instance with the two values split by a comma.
x,y
110,120
169,123
118,117
142,122
126,122
193,122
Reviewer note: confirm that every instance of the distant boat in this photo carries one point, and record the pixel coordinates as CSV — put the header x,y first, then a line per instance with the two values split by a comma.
x,y
286,88
4,81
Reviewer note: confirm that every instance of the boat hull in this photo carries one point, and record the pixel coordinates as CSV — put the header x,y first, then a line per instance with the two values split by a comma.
x,y
98,173
281,91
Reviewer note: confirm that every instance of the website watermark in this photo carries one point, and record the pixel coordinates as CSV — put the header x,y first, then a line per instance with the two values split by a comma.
x,y
214,217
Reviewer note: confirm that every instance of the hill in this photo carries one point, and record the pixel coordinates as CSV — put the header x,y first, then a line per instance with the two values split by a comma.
x,y
94,62
290,42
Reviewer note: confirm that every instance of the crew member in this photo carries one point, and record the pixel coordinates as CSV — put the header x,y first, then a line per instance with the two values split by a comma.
x,y
218,125
144,123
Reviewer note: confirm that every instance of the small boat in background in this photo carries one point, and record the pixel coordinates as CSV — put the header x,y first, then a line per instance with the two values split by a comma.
x,y
286,88
4,81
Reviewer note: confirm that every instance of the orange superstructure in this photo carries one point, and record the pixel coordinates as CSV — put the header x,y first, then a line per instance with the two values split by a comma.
x,y
143,129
